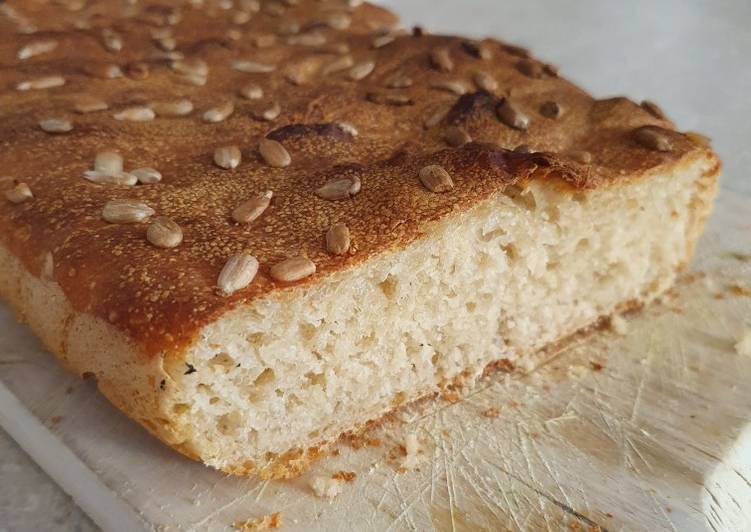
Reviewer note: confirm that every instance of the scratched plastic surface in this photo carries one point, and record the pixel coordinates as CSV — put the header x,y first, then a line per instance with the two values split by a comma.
x,y
655,439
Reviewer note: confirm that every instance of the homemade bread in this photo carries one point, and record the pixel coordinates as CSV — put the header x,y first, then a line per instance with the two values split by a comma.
x,y
260,225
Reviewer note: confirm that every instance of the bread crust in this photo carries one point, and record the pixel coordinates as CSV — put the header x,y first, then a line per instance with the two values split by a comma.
x,y
160,298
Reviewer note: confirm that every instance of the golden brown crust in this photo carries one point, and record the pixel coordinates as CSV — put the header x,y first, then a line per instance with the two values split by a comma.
x,y
160,298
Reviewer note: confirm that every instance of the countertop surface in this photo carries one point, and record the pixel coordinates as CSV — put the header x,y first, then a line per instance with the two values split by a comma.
x,y
690,56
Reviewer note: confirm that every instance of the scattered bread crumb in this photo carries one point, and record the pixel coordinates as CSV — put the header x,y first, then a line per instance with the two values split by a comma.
x,y
413,452
267,522
743,346
491,412
618,325
346,476
596,366
451,396
739,290
325,487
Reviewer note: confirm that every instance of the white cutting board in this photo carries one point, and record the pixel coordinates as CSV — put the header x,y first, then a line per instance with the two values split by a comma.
x,y
656,440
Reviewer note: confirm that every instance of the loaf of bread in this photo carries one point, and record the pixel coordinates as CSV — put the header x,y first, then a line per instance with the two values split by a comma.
x,y
261,224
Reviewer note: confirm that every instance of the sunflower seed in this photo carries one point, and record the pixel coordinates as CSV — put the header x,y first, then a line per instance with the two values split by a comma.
x,y
147,176
399,82
161,33
436,118
339,21
112,40
227,157
234,34
339,188
523,148
46,82
251,91
108,161
237,273
56,125
274,153
137,70
166,43
89,104
337,239
307,39
172,108
389,99
110,178
485,81
340,63
104,71
454,86
124,211
193,79
348,128
551,109
653,109
19,193
264,40
550,70
436,179
251,209
517,51
511,116
288,27
163,232
440,58
477,49
269,114
241,17
530,68
219,113
252,67
383,40
303,71
191,67
338,48
698,138
456,136
135,114
251,6
293,269
361,70
36,48
653,138
582,156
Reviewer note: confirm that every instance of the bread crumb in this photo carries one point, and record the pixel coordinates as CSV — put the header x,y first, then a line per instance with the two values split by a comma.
x,y
618,325
325,487
739,290
267,522
743,346
491,412
346,476
413,452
